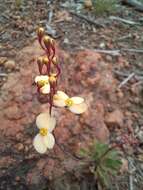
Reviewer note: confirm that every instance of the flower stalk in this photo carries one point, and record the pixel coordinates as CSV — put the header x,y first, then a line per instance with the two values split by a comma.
x,y
48,65
49,72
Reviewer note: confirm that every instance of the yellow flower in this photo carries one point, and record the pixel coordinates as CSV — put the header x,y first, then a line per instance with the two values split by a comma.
x,y
75,104
43,82
44,139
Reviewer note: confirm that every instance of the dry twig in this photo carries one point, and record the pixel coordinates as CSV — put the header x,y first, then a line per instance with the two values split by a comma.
x,y
124,20
134,3
87,19
3,75
131,171
126,80
111,52
118,51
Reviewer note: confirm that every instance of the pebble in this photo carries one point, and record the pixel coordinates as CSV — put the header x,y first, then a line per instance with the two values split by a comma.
x,y
10,65
19,146
140,136
17,178
109,58
114,118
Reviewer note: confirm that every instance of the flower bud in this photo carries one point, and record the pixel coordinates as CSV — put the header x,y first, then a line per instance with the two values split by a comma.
x,y
39,60
45,60
48,41
52,78
55,60
40,32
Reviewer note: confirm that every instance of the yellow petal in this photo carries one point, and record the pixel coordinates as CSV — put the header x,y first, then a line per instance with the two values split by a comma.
x,y
39,145
44,120
45,89
41,77
77,100
78,108
59,99
49,140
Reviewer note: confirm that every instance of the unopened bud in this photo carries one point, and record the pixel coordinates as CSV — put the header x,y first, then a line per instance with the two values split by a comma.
x,y
40,60
52,78
45,60
48,41
55,60
40,32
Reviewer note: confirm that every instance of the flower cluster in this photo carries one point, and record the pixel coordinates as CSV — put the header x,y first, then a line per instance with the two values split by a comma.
x,y
46,81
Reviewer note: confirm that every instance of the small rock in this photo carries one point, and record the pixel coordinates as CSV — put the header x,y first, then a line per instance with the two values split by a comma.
x,y
120,94
140,136
114,118
124,167
10,64
109,58
136,100
66,41
27,148
128,114
19,136
19,146
30,28
17,178
102,45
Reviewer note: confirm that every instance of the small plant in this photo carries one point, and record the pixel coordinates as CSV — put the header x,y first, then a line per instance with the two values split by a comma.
x,y
47,83
104,6
103,161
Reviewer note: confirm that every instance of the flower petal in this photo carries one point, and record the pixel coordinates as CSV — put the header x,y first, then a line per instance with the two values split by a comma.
x,y
78,108
41,77
44,120
39,145
45,89
51,124
59,103
77,100
49,140
62,95
59,99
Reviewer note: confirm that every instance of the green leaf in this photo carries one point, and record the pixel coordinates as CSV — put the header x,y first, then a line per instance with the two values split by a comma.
x,y
112,163
103,176
113,154
98,150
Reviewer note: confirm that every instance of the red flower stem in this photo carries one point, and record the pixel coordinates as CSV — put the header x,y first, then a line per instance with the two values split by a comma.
x,y
51,100
40,42
40,67
58,69
50,53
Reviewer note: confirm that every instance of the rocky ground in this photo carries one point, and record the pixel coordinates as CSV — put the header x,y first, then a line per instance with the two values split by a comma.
x,y
114,108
